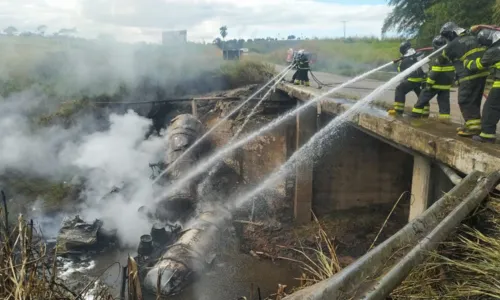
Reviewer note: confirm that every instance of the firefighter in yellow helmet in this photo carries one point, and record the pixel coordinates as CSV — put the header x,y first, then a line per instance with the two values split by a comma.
x,y
412,82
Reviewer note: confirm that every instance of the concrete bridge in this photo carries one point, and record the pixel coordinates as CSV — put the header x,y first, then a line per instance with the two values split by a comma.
x,y
385,156
428,143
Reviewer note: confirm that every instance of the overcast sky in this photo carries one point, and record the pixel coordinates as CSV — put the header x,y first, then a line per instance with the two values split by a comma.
x,y
143,20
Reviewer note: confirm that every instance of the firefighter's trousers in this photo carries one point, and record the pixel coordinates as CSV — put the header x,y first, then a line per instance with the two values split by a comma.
x,y
294,77
470,94
491,114
400,94
443,99
303,75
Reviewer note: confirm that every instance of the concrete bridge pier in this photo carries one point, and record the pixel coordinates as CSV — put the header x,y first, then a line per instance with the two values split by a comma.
x,y
306,122
420,186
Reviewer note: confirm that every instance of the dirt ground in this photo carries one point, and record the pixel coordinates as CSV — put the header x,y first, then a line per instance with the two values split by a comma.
x,y
351,232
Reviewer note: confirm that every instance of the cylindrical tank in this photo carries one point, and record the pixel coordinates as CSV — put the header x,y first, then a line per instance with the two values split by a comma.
x,y
190,254
182,133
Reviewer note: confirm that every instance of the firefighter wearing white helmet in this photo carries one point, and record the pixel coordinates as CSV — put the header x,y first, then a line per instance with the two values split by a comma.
x,y
302,74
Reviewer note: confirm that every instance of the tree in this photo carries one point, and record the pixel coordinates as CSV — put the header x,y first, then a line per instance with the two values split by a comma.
x,y
407,16
11,30
223,32
66,31
291,37
218,42
41,29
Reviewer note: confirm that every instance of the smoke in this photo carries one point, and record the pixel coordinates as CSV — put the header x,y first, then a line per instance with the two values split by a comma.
x,y
100,152
118,156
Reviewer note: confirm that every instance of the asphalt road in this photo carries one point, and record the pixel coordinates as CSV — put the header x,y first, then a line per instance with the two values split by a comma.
x,y
366,86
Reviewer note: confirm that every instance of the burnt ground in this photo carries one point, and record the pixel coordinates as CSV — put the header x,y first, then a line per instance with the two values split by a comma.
x,y
351,232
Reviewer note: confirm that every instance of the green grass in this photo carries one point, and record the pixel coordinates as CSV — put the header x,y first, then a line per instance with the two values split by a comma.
x,y
336,56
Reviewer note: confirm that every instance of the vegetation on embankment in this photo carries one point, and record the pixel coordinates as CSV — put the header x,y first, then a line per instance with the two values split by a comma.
x,y
29,269
72,69
466,265
350,57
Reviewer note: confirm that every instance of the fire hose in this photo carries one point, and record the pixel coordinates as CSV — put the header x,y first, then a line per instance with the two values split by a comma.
x,y
322,84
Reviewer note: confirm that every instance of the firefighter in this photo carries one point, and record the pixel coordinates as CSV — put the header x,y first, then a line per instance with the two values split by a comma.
x,y
491,57
464,46
302,70
412,82
439,80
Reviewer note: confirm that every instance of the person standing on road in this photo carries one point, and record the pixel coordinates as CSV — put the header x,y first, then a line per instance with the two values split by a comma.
x,y
464,46
490,59
439,80
302,70
411,83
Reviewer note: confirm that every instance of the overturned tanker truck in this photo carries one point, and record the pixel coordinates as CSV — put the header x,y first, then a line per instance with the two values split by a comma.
x,y
185,226
182,242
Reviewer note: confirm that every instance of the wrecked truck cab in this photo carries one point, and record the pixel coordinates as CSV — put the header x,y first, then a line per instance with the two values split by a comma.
x,y
78,237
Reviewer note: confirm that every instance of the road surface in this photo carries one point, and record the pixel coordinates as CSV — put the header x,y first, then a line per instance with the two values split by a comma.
x,y
366,86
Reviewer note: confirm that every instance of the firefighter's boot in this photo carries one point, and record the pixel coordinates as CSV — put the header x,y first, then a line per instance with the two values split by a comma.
x,y
397,110
306,83
426,112
472,127
485,138
296,82
444,118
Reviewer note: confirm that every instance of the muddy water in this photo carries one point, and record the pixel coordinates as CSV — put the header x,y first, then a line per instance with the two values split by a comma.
x,y
231,276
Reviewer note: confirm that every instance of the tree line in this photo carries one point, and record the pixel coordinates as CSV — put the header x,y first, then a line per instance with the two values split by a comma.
x,y
40,31
423,18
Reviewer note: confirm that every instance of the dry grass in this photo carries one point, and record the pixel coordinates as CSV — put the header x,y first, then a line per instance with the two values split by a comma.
x,y
247,71
320,262
466,266
28,270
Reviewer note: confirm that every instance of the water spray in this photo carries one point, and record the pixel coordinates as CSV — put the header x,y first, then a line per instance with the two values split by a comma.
x,y
198,141
207,163
329,130
248,117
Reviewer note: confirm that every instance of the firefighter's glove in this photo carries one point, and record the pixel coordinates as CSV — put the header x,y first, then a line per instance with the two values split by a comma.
x,y
428,87
395,61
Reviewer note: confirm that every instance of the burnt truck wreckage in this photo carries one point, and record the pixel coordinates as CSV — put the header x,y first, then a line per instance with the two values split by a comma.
x,y
186,228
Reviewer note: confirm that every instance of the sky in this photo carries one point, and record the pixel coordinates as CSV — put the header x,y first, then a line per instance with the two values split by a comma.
x,y
144,20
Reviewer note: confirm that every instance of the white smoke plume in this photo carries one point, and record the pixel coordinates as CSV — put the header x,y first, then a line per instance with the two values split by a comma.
x,y
101,153
118,156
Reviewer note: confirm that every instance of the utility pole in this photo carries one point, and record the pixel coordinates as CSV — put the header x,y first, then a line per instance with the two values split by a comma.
x,y
344,28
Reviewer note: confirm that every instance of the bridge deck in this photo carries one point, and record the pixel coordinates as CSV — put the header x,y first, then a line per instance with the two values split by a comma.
x,y
428,137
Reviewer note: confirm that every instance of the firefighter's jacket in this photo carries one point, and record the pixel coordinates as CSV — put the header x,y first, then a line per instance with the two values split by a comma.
x,y
441,74
408,61
303,64
465,47
490,59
